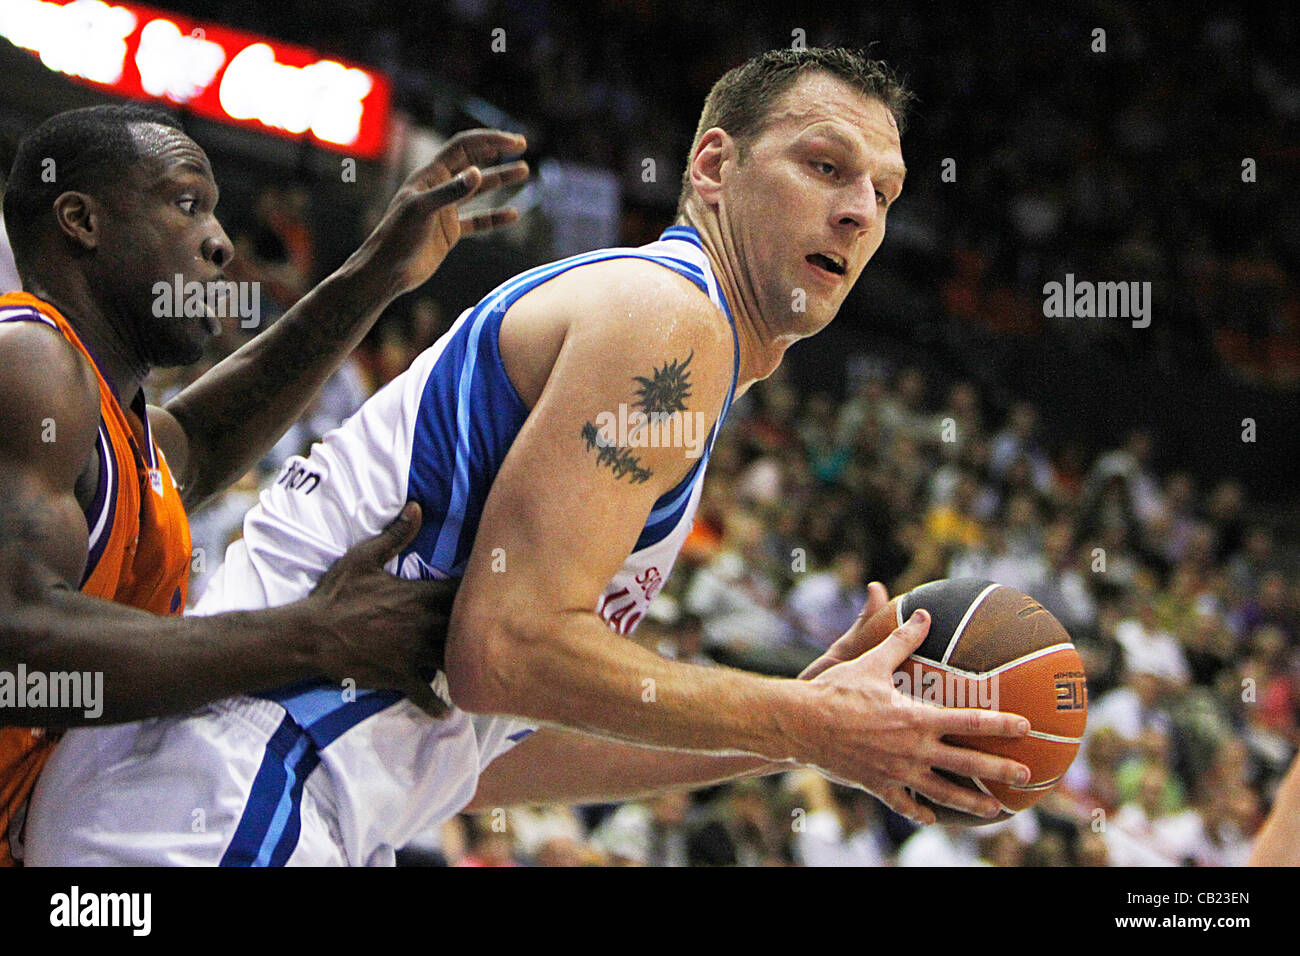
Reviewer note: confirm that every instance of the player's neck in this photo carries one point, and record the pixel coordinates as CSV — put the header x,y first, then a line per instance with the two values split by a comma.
x,y
761,351
107,337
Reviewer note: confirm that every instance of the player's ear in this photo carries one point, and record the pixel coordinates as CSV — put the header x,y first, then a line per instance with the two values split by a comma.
x,y
78,217
714,149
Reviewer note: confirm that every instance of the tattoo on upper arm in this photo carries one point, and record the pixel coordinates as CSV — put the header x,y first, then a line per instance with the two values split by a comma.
x,y
661,394
667,390
620,460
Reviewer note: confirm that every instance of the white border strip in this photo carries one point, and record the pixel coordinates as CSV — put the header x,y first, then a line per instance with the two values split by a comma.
x,y
1042,652
980,783
1054,738
1036,787
109,477
965,619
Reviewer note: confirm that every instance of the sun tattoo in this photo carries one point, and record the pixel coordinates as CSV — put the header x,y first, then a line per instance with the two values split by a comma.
x,y
663,393
668,389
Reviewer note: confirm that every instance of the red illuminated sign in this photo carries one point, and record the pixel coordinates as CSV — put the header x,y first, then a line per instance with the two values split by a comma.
x,y
213,70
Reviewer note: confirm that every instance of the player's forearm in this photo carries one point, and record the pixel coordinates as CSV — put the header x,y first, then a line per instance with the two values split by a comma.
x,y
562,766
569,669
236,412
95,662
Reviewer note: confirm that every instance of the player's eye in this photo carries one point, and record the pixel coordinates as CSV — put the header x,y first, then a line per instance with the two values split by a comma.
x,y
882,198
188,204
824,167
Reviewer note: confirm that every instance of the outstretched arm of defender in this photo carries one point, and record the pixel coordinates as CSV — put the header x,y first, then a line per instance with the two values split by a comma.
x,y
567,509
361,622
215,430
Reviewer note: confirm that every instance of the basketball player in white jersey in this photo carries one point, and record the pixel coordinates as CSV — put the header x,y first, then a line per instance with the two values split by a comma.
x,y
517,433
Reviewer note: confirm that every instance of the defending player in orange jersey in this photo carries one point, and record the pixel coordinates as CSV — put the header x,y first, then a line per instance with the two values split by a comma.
x,y
102,205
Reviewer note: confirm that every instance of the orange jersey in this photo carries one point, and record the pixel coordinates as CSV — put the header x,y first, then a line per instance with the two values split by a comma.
x,y
139,547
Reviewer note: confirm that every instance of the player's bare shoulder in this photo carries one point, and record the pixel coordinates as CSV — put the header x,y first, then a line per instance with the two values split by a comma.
x,y
49,415
625,307
49,398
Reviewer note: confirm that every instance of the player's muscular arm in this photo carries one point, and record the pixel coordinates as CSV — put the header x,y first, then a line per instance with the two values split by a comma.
x,y
566,511
216,429
556,765
152,665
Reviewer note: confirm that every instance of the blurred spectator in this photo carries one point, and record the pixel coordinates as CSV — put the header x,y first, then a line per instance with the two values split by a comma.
x,y
1018,440
824,604
941,845
737,599
1148,648
1143,834
489,844
953,524
834,825
646,834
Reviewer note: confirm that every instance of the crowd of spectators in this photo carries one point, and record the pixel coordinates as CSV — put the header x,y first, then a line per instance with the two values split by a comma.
x,y
1155,150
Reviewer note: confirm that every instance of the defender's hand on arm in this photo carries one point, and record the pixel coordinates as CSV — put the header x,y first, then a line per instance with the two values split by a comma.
x,y
380,630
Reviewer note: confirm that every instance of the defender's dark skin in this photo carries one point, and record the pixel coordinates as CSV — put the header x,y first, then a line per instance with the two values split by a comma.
x,y
98,259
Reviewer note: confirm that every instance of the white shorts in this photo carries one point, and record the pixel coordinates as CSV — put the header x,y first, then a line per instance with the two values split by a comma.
x,y
252,782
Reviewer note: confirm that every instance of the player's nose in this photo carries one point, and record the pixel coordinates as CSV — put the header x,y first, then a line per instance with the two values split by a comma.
x,y
858,209
218,249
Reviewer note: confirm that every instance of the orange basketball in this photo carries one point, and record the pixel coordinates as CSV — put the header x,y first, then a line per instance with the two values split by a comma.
x,y
994,647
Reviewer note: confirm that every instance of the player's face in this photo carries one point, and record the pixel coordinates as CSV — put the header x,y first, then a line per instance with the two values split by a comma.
x,y
159,226
807,205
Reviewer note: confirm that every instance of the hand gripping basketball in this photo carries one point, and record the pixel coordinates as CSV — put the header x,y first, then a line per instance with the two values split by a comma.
x,y
877,738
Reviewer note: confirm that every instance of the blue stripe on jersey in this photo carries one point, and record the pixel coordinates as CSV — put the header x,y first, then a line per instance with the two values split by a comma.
x,y
483,438
309,701
316,706
683,232
271,822
332,726
468,417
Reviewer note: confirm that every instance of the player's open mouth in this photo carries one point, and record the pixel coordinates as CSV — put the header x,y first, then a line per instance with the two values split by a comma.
x,y
828,263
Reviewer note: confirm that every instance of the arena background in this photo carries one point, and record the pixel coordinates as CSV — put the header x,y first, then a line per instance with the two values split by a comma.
x,y
1140,481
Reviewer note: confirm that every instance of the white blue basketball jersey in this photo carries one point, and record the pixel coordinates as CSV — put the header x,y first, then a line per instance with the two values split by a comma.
x,y
384,771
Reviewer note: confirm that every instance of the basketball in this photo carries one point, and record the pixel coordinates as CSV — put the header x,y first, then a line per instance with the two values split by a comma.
x,y
993,647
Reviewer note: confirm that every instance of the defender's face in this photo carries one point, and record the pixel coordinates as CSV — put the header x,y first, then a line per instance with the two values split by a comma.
x,y
806,206
162,225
